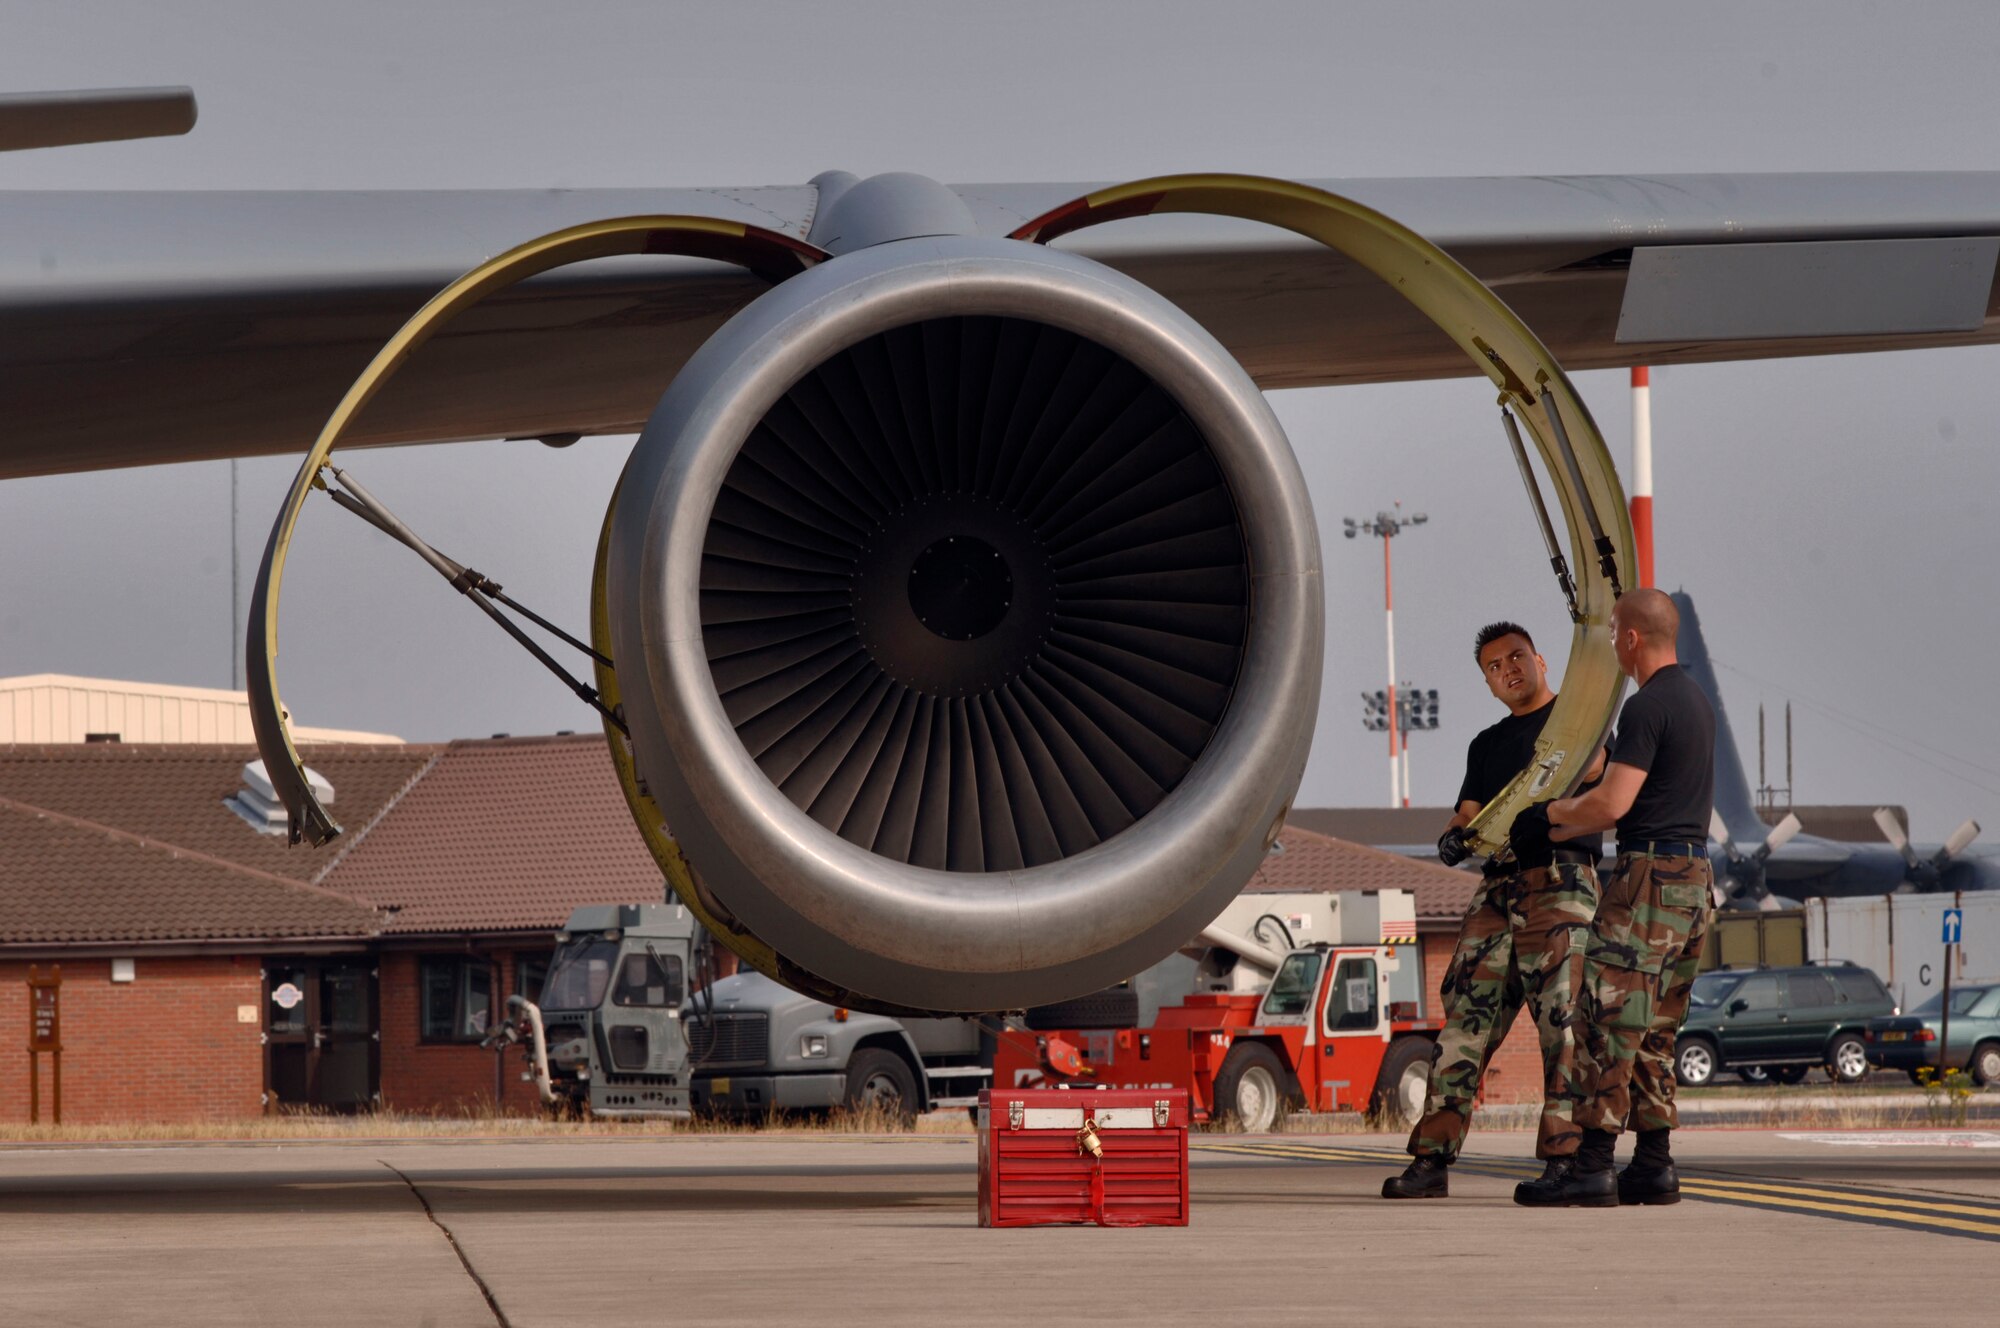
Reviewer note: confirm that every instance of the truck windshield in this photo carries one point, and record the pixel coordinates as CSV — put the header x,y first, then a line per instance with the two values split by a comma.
x,y
577,978
1292,990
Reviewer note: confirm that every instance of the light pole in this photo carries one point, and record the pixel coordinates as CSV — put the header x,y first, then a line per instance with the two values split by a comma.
x,y
1416,708
1388,524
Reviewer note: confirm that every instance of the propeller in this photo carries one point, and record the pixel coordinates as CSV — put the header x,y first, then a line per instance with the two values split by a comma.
x,y
1746,870
1920,872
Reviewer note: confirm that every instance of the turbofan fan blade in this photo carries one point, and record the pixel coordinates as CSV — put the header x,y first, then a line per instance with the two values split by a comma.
x,y
1960,837
1892,830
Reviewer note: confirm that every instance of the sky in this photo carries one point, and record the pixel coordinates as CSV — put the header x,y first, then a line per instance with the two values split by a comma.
x,y
1835,518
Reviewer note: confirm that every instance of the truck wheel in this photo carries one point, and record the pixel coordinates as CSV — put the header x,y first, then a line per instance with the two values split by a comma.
x,y
878,1080
1694,1063
1250,1091
1847,1060
1403,1082
1114,1007
1985,1065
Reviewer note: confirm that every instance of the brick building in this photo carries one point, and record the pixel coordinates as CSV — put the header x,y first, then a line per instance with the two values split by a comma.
x,y
211,971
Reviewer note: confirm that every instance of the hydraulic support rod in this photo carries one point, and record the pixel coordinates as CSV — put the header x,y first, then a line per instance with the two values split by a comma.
x,y
472,577
465,581
1557,562
1607,557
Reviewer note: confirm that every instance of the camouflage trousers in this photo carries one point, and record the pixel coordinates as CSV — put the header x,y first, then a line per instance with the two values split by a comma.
x,y
1639,969
1521,944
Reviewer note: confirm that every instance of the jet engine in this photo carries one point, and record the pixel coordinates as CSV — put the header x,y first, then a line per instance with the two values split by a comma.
x,y
966,606
957,622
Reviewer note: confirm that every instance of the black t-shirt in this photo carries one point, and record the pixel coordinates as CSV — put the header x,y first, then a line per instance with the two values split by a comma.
x,y
1667,729
1503,751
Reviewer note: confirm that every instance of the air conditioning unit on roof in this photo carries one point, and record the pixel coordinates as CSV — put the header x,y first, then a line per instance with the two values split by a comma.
x,y
257,801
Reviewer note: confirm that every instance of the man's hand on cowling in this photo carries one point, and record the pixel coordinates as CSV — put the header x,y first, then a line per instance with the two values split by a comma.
x,y
1529,835
1452,846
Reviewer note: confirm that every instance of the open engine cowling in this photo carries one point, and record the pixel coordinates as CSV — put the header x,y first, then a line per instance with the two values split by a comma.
x,y
966,603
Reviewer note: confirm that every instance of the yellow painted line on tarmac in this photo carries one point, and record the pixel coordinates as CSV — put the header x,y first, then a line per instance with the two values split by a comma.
x,y
1990,1213
1865,1212
1918,1213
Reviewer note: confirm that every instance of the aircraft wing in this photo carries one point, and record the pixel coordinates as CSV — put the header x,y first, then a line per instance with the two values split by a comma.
x,y
150,327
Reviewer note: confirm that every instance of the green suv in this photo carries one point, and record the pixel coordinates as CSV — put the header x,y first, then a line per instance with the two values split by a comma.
x,y
1780,1022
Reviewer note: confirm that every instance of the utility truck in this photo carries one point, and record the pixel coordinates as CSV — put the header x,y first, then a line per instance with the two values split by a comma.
x,y
608,1035
630,1024
1329,1025
759,1047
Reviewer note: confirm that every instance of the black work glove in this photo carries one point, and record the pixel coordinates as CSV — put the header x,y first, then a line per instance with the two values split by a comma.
x,y
1452,848
1529,836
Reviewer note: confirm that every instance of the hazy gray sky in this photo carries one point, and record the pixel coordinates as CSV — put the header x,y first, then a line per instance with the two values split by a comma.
x,y
1835,518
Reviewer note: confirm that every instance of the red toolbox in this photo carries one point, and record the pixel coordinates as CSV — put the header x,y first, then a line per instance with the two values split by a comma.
x,y
1116,1157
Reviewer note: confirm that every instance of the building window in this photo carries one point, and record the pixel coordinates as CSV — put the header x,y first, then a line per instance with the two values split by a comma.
x,y
457,995
530,972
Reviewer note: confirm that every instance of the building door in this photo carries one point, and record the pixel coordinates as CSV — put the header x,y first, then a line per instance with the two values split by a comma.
x,y
321,1040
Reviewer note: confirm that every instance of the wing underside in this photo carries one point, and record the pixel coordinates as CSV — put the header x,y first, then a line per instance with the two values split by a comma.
x,y
151,327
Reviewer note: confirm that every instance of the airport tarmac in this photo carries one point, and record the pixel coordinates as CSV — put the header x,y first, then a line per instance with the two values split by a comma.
x,y
1778,1228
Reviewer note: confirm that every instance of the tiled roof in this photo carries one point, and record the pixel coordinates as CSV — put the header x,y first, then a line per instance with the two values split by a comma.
x,y
118,843
1381,826
173,793
502,835
67,881
1304,861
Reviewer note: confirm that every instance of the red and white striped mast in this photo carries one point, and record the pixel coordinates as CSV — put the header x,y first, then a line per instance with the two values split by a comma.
x,y
1642,470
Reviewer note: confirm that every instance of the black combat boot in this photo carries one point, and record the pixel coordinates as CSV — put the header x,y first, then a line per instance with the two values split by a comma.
x,y
1427,1177
1651,1178
1583,1181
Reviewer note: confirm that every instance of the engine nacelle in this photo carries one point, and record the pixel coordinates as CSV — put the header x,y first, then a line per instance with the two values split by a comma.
x,y
966,602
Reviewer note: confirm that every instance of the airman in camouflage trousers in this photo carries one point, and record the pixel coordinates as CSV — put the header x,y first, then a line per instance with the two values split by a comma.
x,y
1521,944
1639,970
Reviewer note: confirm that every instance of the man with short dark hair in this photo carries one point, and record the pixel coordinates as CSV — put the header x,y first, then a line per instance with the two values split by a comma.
x,y
1645,945
1521,943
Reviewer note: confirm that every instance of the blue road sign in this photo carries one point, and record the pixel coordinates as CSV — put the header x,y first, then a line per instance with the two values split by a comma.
x,y
1954,923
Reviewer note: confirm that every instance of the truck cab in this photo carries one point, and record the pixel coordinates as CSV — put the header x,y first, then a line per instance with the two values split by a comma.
x,y
1338,999
608,1034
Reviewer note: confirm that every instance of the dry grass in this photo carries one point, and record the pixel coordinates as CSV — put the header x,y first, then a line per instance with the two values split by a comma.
x,y
470,1125
1805,1106
1334,1122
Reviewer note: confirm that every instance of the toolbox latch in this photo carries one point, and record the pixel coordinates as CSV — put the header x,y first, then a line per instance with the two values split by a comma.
x,y
1016,1114
1162,1109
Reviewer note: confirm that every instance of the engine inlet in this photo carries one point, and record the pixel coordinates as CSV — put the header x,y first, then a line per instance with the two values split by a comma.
x,y
974,594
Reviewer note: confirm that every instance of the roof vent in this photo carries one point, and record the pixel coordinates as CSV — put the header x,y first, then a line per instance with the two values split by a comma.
x,y
257,801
